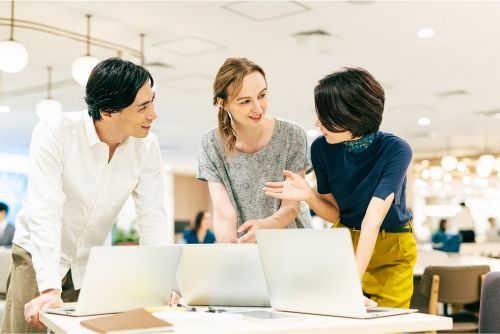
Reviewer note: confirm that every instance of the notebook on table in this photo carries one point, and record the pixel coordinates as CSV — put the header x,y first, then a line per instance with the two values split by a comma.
x,y
135,321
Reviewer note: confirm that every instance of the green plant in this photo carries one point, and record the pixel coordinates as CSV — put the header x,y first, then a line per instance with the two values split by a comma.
x,y
121,236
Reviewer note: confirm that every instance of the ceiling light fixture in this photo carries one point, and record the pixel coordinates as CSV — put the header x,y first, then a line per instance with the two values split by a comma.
x,y
49,108
449,162
425,33
424,121
485,165
82,66
143,61
13,55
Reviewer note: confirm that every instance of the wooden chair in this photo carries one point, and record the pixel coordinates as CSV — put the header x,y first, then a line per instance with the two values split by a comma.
x,y
454,285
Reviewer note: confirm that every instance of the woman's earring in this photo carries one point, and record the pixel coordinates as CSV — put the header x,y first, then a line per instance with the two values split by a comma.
x,y
230,116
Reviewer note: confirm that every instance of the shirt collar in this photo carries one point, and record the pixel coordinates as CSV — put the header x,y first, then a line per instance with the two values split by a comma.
x,y
360,145
91,131
92,136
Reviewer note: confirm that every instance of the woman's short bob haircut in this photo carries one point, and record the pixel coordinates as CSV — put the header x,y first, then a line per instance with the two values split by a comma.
x,y
113,85
350,100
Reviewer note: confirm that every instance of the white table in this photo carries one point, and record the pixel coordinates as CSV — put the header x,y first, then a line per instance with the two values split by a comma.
x,y
202,322
437,258
482,249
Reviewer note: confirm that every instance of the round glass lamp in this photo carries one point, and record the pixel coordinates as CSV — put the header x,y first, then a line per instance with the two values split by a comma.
x,y
13,56
82,67
449,162
49,109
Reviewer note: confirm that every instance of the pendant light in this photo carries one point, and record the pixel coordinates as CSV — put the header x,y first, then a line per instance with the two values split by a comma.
x,y
49,108
142,49
82,66
486,162
449,162
13,55
3,108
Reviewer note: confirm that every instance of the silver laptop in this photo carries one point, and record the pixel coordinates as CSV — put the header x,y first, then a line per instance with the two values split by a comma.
x,y
122,278
314,271
222,275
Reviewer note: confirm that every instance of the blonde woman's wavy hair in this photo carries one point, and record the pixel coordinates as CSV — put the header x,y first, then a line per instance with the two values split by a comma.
x,y
230,75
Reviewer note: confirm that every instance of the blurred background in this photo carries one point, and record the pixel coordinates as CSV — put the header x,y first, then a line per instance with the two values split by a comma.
x,y
437,61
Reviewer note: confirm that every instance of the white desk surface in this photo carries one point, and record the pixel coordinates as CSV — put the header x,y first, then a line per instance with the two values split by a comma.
x,y
437,258
203,322
485,248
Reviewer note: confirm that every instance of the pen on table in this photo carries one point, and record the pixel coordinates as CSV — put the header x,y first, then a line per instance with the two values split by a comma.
x,y
174,308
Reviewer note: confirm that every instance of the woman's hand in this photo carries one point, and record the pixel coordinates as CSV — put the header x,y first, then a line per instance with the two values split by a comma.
x,y
251,226
174,298
294,188
368,302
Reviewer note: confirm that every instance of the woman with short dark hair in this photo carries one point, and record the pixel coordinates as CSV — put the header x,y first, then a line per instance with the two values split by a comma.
x,y
361,181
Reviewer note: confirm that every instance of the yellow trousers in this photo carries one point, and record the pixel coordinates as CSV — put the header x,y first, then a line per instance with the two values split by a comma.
x,y
388,280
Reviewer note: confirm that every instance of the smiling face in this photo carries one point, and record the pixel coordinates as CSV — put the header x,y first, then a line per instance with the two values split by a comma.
x,y
136,119
249,106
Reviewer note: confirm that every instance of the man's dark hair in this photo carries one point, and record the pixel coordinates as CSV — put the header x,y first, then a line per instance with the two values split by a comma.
x,y
4,207
350,100
113,85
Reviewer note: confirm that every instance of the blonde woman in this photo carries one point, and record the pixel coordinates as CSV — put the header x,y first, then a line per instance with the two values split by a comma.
x,y
247,149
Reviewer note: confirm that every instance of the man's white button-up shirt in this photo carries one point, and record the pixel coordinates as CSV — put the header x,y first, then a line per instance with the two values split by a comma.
x,y
75,194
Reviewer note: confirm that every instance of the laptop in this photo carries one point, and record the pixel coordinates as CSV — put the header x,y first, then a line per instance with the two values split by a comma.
x,y
123,278
222,275
314,271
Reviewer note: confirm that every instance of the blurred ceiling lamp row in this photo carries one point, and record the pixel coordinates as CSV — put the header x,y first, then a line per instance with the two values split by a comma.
x,y
469,170
484,164
14,55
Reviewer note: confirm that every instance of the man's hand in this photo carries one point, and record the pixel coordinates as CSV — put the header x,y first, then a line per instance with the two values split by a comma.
x,y
48,299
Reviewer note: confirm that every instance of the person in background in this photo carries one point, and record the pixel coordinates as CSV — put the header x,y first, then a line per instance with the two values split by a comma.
x,y
492,234
82,171
462,221
201,233
6,230
248,148
444,239
441,235
361,184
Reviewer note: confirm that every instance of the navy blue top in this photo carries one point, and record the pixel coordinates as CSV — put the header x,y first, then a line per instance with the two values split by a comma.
x,y
192,238
354,179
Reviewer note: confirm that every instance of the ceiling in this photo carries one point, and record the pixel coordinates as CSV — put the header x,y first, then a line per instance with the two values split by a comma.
x,y
453,78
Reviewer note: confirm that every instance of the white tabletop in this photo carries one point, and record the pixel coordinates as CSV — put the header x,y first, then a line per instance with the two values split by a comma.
x,y
202,322
437,258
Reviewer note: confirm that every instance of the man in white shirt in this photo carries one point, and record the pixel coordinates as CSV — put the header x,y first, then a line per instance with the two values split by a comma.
x,y
82,172
462,220
6,229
